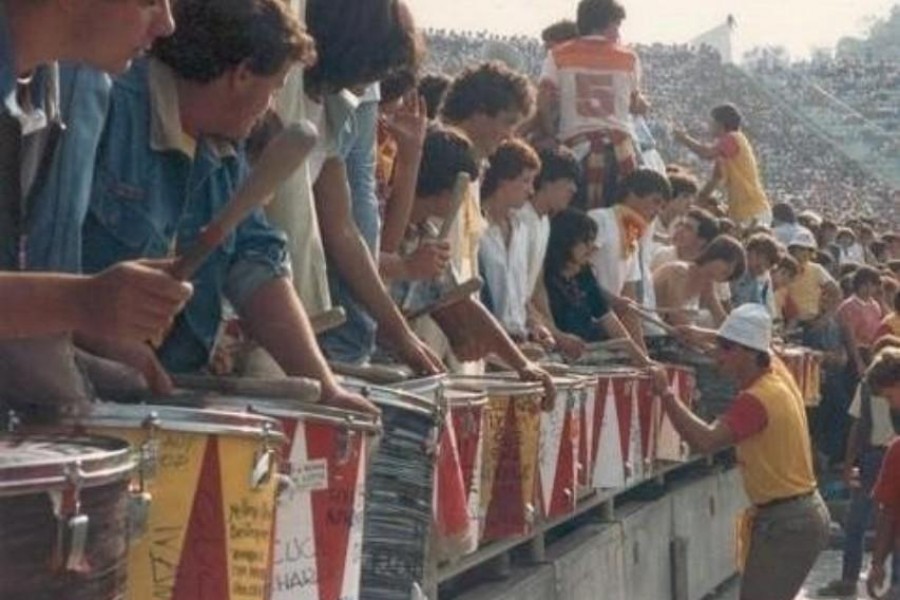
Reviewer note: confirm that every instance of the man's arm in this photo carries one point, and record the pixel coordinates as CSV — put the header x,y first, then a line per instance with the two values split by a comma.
x,y
630,318
701,436
714,180
346,249
707,151
274,317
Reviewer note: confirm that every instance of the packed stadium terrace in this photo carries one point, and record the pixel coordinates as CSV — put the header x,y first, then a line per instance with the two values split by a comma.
x,y
798,165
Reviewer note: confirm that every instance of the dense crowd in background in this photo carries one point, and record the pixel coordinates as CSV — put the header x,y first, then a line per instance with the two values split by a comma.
x,y
798,166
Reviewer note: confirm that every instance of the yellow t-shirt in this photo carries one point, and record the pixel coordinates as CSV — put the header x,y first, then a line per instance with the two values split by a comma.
x,y
806,290
776,462
737,162
890,325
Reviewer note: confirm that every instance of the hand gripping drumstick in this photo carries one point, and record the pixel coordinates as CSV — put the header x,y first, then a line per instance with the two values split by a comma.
x,y
449,297
281,157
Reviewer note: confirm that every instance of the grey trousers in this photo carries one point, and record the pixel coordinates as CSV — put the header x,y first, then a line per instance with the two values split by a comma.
x,y
785,542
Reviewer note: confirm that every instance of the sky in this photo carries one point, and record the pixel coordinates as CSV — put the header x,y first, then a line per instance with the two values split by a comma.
x,y
798,25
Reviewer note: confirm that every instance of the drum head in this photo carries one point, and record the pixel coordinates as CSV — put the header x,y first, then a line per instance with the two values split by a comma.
x,y
497,383
39,463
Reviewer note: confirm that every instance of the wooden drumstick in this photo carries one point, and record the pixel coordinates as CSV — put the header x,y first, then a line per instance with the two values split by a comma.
x,y
293,388
330,319
377,374
281,157
451,296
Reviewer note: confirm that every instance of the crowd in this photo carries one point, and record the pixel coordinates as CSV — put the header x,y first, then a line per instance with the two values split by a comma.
x,y
544,196
798,165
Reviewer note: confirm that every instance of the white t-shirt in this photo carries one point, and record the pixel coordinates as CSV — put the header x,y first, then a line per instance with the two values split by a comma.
x,y
611,268
882,428
663,255
538,228
505,271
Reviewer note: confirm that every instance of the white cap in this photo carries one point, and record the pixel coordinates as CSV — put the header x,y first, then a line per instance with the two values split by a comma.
x,y
804,239
748,325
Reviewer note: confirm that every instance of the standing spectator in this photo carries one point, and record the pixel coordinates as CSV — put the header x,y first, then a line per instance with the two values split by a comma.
x,y
735,167
784,223
860,317
755,285
589,88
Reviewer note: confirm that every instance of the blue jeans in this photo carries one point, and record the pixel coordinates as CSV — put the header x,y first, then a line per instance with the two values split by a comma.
x,y
859,517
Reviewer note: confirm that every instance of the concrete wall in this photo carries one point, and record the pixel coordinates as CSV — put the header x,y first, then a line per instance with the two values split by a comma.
x,y
632,558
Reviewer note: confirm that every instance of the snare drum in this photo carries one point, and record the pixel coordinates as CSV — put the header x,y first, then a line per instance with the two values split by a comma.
x,y
64,505
209,482
400,494
714,391
319,519
669,444
511,448
804,365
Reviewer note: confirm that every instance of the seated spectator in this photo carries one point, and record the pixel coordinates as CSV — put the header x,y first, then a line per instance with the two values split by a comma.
x,y
784,223
578,305
683,288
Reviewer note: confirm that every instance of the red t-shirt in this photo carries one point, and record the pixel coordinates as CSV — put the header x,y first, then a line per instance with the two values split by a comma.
x,y
887,488
745,417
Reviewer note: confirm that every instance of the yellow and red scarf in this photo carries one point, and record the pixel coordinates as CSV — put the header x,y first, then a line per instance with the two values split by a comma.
x,y
632,227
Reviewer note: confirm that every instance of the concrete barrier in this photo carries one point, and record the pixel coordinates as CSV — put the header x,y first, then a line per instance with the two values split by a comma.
x,y
534,583
590,564
647,530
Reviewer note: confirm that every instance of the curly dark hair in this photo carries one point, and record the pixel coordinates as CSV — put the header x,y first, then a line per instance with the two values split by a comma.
x,y
488,88
557,163
214,36
509,161
567,229
728,249
596,15
360,42
445,153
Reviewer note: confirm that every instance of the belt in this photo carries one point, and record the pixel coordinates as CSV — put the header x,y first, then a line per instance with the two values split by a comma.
x,y
780,501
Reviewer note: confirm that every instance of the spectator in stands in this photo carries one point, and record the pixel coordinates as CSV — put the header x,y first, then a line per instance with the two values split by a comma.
x,y
201,93
472,331
755,285
860,317
506,187
579,307
891,323
785,271
781,536
554,188
893,246
850,250
884,379
588,89
620,229
814,292
692,233
487,102
684,288
870,435
684,194
432,88
735,167
558,33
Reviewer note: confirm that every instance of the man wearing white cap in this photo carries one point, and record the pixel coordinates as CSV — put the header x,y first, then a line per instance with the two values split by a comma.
x,y
787,526
814,292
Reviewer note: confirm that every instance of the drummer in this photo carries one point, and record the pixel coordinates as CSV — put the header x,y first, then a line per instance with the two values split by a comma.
x,y
130,301
788,525
579,307
472,331
169,160
682,288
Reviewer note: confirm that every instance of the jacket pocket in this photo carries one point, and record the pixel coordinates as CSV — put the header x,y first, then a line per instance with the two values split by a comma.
x,y
127,214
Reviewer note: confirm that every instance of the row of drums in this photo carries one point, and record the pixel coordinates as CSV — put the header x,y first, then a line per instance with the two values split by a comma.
x,y
247,498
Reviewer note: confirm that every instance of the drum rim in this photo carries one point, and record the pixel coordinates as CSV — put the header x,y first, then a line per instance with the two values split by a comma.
x,y
422,385
111,460
390,396
301,410
505,382
206,421
465,397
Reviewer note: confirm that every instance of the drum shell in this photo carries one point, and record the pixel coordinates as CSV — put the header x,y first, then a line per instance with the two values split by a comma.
x,y
29,522
209,529
558,450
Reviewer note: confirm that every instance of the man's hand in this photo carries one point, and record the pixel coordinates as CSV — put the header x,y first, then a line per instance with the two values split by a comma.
x,y
660,379
428,261
415,353
571,346
135,301
850,475
639,104
335,396
137,355
542,335
532,372
408,123
875,580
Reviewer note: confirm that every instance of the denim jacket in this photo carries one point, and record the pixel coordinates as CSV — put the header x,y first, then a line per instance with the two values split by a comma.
x,y
153,192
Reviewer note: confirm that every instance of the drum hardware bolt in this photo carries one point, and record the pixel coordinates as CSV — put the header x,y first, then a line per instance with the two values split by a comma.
x,y
13,422
568,493
263,464
530,514
628,469
71,533
138,514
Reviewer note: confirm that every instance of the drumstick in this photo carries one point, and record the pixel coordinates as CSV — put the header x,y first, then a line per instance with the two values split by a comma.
x,y
377,374
459,189
281,157
294,388
330,319
451,296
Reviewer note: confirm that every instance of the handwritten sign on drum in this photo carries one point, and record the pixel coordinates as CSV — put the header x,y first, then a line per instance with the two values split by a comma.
x,y
211,477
